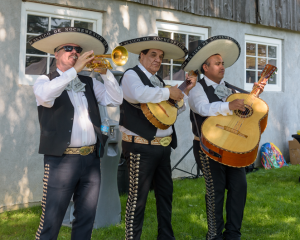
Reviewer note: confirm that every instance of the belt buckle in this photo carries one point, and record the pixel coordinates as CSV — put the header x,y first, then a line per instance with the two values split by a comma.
x,y
83,151
165,141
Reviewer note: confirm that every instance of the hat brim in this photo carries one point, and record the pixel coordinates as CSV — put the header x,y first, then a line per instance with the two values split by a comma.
x,y
84,38
228,48
171,48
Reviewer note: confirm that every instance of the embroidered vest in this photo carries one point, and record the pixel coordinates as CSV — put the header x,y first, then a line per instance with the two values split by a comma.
x,y
56,122
132,117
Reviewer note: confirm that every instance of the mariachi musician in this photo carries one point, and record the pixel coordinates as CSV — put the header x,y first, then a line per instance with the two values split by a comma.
x,y
208,97
146,148
70,139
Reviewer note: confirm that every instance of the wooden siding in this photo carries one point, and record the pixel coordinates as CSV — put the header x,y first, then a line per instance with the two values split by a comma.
x,y
276,13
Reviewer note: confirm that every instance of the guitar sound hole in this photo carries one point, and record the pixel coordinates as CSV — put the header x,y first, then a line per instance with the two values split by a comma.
x,y
244,114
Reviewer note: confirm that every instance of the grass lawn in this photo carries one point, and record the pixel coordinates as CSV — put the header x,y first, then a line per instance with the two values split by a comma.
x,y
272,211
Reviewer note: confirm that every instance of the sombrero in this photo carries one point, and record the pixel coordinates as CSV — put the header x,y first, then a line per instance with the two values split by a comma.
x,y
199,51
85,38
171,48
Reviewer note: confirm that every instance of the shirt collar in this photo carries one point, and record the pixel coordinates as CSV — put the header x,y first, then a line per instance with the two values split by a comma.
x,y
60,72
211,82
148,74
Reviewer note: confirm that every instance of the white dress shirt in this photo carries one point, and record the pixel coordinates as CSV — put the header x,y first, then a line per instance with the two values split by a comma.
x,y
136,92
107,94
200,104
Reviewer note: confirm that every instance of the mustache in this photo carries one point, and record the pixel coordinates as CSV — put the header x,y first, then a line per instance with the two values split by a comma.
x,y
74,56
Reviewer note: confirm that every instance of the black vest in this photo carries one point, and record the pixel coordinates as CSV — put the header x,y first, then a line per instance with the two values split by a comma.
x,y
56,122
212,97
133,118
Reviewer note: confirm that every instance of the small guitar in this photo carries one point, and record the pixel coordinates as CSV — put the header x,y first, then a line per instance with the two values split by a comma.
x,y
164,114
233,140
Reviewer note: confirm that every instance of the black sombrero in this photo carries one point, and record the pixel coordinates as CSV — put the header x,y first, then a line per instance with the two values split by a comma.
x,y
171,48
199,51
85,38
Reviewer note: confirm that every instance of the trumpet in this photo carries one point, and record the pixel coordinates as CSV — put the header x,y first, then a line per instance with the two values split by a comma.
x,y
119,56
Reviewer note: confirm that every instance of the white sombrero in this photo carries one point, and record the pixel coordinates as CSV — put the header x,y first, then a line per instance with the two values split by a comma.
x,y
85,38
199,51
171,48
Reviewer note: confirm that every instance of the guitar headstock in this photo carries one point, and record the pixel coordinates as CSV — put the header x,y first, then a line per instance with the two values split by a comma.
x,y
268,71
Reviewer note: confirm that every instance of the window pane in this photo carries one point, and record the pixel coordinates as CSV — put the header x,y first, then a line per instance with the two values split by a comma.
x,y
261,62
250,49
273,80
164,34
250,76
272,62
36,65
258,75
52,65
86,25
30,49
193,38
180,38
272,51
178,73
250,62
37,24
179,61
164,72
59,23
262,50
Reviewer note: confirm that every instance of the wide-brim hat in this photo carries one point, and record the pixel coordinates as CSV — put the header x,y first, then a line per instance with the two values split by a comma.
x,y
172,49
199,51
85,38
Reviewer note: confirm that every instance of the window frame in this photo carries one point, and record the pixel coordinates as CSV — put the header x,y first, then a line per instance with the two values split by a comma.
x,y
182,29
37,9
269,42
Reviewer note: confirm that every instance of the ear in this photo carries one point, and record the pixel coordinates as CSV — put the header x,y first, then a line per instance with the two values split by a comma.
x,y
56,55
205,67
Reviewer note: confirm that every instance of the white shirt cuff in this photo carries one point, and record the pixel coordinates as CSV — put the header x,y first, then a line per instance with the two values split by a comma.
x,y
108,76
225,109
166,93
71,73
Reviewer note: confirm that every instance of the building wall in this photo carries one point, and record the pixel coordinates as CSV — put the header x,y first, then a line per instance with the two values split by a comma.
x,y
21,169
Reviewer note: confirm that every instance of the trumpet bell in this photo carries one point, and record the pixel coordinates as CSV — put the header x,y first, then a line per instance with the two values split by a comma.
x,y
119,56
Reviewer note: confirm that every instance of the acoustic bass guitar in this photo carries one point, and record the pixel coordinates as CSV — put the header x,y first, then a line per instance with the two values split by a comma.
x,y
233,140
164,114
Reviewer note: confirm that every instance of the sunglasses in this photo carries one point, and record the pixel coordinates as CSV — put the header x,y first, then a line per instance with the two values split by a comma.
x,y
70,49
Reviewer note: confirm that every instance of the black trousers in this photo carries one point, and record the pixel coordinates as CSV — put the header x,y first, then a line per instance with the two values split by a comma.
x,y
64,176
219,177
147,164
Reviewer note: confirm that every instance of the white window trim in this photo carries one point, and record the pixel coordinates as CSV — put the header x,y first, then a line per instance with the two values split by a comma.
x,y
48,10
179,28
268,41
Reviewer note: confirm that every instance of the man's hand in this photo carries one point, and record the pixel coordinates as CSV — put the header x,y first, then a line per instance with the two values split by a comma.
x,y
175,93
192,82
237,104
83,60
260,86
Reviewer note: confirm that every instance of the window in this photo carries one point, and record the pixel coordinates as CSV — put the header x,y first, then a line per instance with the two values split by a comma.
x,y
40,18
170,70
259,52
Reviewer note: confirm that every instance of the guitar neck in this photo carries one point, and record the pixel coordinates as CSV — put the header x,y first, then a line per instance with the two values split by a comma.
x,y
266,74
185,83
183,86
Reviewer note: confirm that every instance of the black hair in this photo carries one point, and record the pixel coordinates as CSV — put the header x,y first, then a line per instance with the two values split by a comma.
x,y
144,52
207,63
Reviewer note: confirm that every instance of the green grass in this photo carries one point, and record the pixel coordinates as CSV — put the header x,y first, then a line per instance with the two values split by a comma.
x,y
272,211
